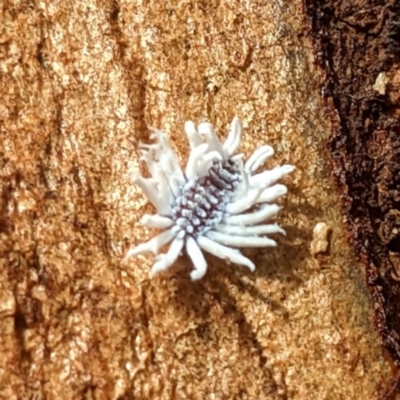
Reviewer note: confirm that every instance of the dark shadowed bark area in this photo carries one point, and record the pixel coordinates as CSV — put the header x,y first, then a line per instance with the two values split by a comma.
x,y
359,47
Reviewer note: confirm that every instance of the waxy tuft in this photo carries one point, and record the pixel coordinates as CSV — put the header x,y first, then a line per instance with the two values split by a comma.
x,y
219,203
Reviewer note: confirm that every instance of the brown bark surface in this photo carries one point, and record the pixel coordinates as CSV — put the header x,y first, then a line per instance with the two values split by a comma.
x,y
360,47
80,83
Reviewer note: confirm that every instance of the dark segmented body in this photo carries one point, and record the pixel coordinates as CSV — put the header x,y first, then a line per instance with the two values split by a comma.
x,y
202,203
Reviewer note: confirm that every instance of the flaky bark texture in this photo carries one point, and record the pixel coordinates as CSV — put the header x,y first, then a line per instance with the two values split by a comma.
x,y
80,83
365,144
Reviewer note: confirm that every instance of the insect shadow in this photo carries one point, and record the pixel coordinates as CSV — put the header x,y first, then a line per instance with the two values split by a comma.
x,y
216,309
223,283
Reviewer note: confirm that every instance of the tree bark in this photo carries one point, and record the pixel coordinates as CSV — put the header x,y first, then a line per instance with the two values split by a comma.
x,y
80,85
